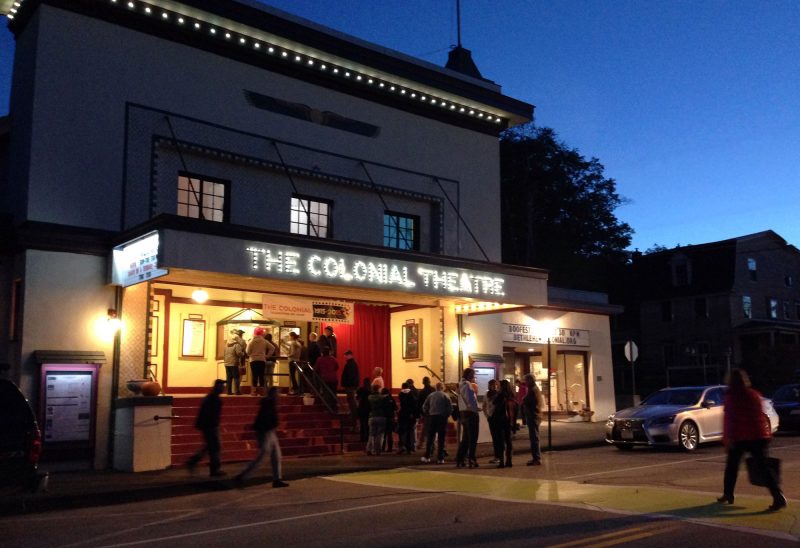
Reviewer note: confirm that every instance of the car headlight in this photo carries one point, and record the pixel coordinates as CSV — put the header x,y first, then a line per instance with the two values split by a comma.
x,y
663,420
610,420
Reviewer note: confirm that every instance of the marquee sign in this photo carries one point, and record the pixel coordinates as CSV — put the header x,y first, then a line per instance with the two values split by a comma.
x,y
137,261
304,309
528,334
361,271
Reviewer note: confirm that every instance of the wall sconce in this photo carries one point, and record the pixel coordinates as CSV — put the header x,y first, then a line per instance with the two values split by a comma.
x,y
199,296
113,320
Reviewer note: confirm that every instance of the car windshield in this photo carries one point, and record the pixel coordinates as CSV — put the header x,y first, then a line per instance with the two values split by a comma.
x,y
684,396
787,393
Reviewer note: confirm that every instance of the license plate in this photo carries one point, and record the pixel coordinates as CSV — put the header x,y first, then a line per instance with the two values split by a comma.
x,y
626,434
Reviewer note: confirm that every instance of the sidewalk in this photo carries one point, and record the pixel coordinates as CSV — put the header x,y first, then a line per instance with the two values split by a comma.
x,y
84,488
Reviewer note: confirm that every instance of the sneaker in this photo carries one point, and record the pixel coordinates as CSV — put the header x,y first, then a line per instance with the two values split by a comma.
x,y
279,483
494,461
534,462
440,461
425,460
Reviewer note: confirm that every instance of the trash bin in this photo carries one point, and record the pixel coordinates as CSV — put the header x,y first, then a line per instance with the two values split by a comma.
x,y
142,433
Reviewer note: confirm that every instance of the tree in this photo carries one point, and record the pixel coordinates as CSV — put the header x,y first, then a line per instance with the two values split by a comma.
x,y
558,211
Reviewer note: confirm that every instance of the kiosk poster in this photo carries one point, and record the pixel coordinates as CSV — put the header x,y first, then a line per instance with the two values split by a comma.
x,y
68,408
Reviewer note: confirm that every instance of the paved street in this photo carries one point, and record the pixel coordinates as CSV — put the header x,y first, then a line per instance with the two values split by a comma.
x,y
585,497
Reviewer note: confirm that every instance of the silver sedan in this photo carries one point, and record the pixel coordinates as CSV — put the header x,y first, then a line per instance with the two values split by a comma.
x,y
686,416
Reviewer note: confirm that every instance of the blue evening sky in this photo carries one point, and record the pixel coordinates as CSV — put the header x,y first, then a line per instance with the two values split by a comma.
x,y
693,107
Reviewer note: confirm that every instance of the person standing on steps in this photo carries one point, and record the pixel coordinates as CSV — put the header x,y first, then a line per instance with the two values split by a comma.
x,y
314,351
258,349
208,423
234,350
266,427
295,350
272,357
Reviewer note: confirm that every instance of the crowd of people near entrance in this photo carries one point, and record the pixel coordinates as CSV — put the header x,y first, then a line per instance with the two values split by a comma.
x,y
416,419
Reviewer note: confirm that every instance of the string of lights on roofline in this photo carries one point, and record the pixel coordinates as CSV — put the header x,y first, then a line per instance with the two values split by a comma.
x,y
302,59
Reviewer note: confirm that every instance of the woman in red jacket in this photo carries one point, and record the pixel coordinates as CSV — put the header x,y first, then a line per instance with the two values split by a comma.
x,y
746,428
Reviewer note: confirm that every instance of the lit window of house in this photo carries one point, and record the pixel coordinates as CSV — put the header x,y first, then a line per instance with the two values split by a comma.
x,y
201,198
752,268
747,306
400,231
772,308
311,217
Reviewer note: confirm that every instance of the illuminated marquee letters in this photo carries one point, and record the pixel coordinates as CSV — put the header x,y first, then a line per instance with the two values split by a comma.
x,y
348,269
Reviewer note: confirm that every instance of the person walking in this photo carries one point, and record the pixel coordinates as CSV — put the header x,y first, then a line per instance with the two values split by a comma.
x,y
468,412
746,428
532,409
266,428
377,421
488,411
234,350
258,349
501,422
208,423
295,351
362,394
437,408
350,378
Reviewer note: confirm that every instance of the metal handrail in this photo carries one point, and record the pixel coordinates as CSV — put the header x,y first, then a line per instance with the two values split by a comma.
x,y
328,397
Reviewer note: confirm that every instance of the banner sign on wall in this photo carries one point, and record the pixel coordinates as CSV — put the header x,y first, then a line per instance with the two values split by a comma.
x,y
311,310
528,334
136,261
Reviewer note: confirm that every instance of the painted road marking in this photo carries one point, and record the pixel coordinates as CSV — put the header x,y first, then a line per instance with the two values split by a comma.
x,y
747,514
215,531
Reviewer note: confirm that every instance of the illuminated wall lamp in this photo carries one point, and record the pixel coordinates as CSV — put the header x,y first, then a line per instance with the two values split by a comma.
x,y
114,322
199,296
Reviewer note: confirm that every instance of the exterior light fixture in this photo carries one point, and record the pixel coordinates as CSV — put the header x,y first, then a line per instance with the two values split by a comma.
x,y
113,321
199,296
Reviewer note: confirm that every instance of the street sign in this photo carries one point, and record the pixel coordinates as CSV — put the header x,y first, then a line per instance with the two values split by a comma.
x,y
631,351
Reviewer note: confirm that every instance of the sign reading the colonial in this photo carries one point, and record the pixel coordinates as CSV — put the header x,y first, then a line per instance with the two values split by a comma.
x,y
136,261
311,310
528,334
343,268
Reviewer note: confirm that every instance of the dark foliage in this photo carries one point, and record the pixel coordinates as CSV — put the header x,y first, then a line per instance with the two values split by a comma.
x,y
558,211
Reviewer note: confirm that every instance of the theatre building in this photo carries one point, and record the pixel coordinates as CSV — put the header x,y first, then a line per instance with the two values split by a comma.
x,y
177,169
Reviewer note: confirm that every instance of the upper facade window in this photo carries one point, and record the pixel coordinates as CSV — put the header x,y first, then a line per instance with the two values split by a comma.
x,y
752,269
681,270
747,306
201,198
788,280
311,217
772,308
400,231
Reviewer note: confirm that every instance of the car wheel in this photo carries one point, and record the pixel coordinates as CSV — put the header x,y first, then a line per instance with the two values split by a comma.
x,y
688,436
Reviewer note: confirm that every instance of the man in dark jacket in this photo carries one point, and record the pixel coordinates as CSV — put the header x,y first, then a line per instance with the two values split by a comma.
x,y
350,378
314,351
208,423
266,427
426,391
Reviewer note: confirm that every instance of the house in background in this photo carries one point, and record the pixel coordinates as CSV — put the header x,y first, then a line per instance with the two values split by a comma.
x,y
695,311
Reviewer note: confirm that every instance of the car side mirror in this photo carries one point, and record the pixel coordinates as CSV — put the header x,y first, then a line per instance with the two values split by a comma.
x,y
709,403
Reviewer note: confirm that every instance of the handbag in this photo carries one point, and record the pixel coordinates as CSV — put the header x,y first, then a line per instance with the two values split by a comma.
x,y
756,475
